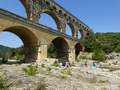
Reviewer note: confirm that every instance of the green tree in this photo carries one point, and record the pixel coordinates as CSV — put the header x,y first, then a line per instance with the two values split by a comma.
x,y
52,51
107,42
99,55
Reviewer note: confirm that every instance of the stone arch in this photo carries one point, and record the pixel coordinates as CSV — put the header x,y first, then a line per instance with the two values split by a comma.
x,y
72,29
24,34
29,40
54,7
87,34
48,3
81,32
78,48
61,46
55,18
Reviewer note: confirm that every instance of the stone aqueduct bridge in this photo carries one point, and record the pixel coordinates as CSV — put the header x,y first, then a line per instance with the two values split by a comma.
x,y
37,38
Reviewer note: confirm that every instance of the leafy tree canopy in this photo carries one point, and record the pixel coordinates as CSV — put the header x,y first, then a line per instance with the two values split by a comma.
x,y
107,42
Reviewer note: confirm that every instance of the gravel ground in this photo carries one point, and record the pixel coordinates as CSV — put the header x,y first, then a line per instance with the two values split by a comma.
x,y
61,78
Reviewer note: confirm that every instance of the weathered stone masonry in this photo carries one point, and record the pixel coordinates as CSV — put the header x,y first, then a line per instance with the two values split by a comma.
x,y
37,38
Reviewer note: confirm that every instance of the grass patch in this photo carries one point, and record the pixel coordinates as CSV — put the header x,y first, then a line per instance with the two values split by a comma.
x,y
31,70
3,81
111,70
56,64
93,81
103,81
63,77
41,85
67,72
114,63
43,65
2,67
100,81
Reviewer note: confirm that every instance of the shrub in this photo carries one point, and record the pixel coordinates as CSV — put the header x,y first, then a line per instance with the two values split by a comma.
x,y
99,55
43,65
111,57
41,86
56,64
31,70
63,77
48,69
67,72
103,81
2,82
92,81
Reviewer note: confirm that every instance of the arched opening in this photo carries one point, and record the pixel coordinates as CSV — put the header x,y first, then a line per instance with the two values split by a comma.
x,y
16,7
87,34
61,47
50,20
10,40
52,52
48,3
78,48
81,33
28,39
70,29
60,11
54,8
11,47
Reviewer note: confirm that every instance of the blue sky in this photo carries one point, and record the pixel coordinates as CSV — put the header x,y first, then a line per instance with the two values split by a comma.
x,y
100,15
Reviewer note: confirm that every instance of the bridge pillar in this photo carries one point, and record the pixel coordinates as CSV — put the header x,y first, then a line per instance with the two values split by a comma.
x,y
42,51
72,54
62,27
33,9
75,33
61,54
31,53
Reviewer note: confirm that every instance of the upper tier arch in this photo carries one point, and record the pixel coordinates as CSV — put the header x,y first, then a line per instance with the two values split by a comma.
x,y
34,9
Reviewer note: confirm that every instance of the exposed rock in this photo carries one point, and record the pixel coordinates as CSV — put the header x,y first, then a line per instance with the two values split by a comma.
x,y
62,78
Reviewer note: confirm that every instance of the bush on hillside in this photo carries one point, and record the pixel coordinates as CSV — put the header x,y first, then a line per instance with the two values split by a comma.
x,y
99,55
107,42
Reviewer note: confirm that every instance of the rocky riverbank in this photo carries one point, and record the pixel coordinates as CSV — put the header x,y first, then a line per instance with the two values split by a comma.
x,y
50,77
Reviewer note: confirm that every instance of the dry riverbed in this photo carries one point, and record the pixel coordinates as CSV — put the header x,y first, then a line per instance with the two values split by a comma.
x,y
60,78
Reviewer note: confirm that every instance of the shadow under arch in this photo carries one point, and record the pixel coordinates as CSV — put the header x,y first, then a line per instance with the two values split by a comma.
x,y
61,47
78,48
55,18
29,40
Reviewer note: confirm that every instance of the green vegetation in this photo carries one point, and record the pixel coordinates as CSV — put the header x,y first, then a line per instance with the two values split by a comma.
x,y
3,81
67,72
31,70
99,55
43,65
92,81
52,51
101,44
107,42
63,77
111,70
3,50
100,81
41,85
12,53
19,53
56,64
